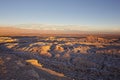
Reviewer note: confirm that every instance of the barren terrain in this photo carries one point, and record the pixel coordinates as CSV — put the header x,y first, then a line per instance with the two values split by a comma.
x,y
60,58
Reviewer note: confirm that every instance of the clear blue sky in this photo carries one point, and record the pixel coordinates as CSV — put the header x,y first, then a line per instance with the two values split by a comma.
x,y
92,13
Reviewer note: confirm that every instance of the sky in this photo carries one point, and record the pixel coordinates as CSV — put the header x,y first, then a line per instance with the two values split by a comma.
x,y
90,14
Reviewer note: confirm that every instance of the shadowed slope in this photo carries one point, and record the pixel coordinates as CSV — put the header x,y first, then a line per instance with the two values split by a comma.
x,y
15,68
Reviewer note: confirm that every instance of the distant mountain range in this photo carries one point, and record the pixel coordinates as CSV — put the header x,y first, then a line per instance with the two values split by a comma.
x,y
36,30
21,31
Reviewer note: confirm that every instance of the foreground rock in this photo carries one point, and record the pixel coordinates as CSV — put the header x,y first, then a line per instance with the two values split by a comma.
x,y
15,68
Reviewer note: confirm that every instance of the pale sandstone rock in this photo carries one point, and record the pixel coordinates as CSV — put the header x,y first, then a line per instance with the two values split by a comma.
x,y
34,62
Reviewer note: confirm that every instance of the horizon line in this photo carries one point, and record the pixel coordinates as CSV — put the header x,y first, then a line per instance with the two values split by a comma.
x,y
64,27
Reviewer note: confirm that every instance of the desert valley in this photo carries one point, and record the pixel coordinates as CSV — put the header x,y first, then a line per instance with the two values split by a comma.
x,y
81,57
59,39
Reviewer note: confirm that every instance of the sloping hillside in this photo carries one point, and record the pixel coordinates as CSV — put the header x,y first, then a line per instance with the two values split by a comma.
x,y
13,67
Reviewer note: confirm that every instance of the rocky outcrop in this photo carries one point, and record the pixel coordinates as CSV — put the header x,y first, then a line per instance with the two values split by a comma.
x,y
88,58
34,62
59,48
7,39
13,67
94,39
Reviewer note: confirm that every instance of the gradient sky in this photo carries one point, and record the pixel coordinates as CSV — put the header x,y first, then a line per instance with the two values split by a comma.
x,y
95,14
